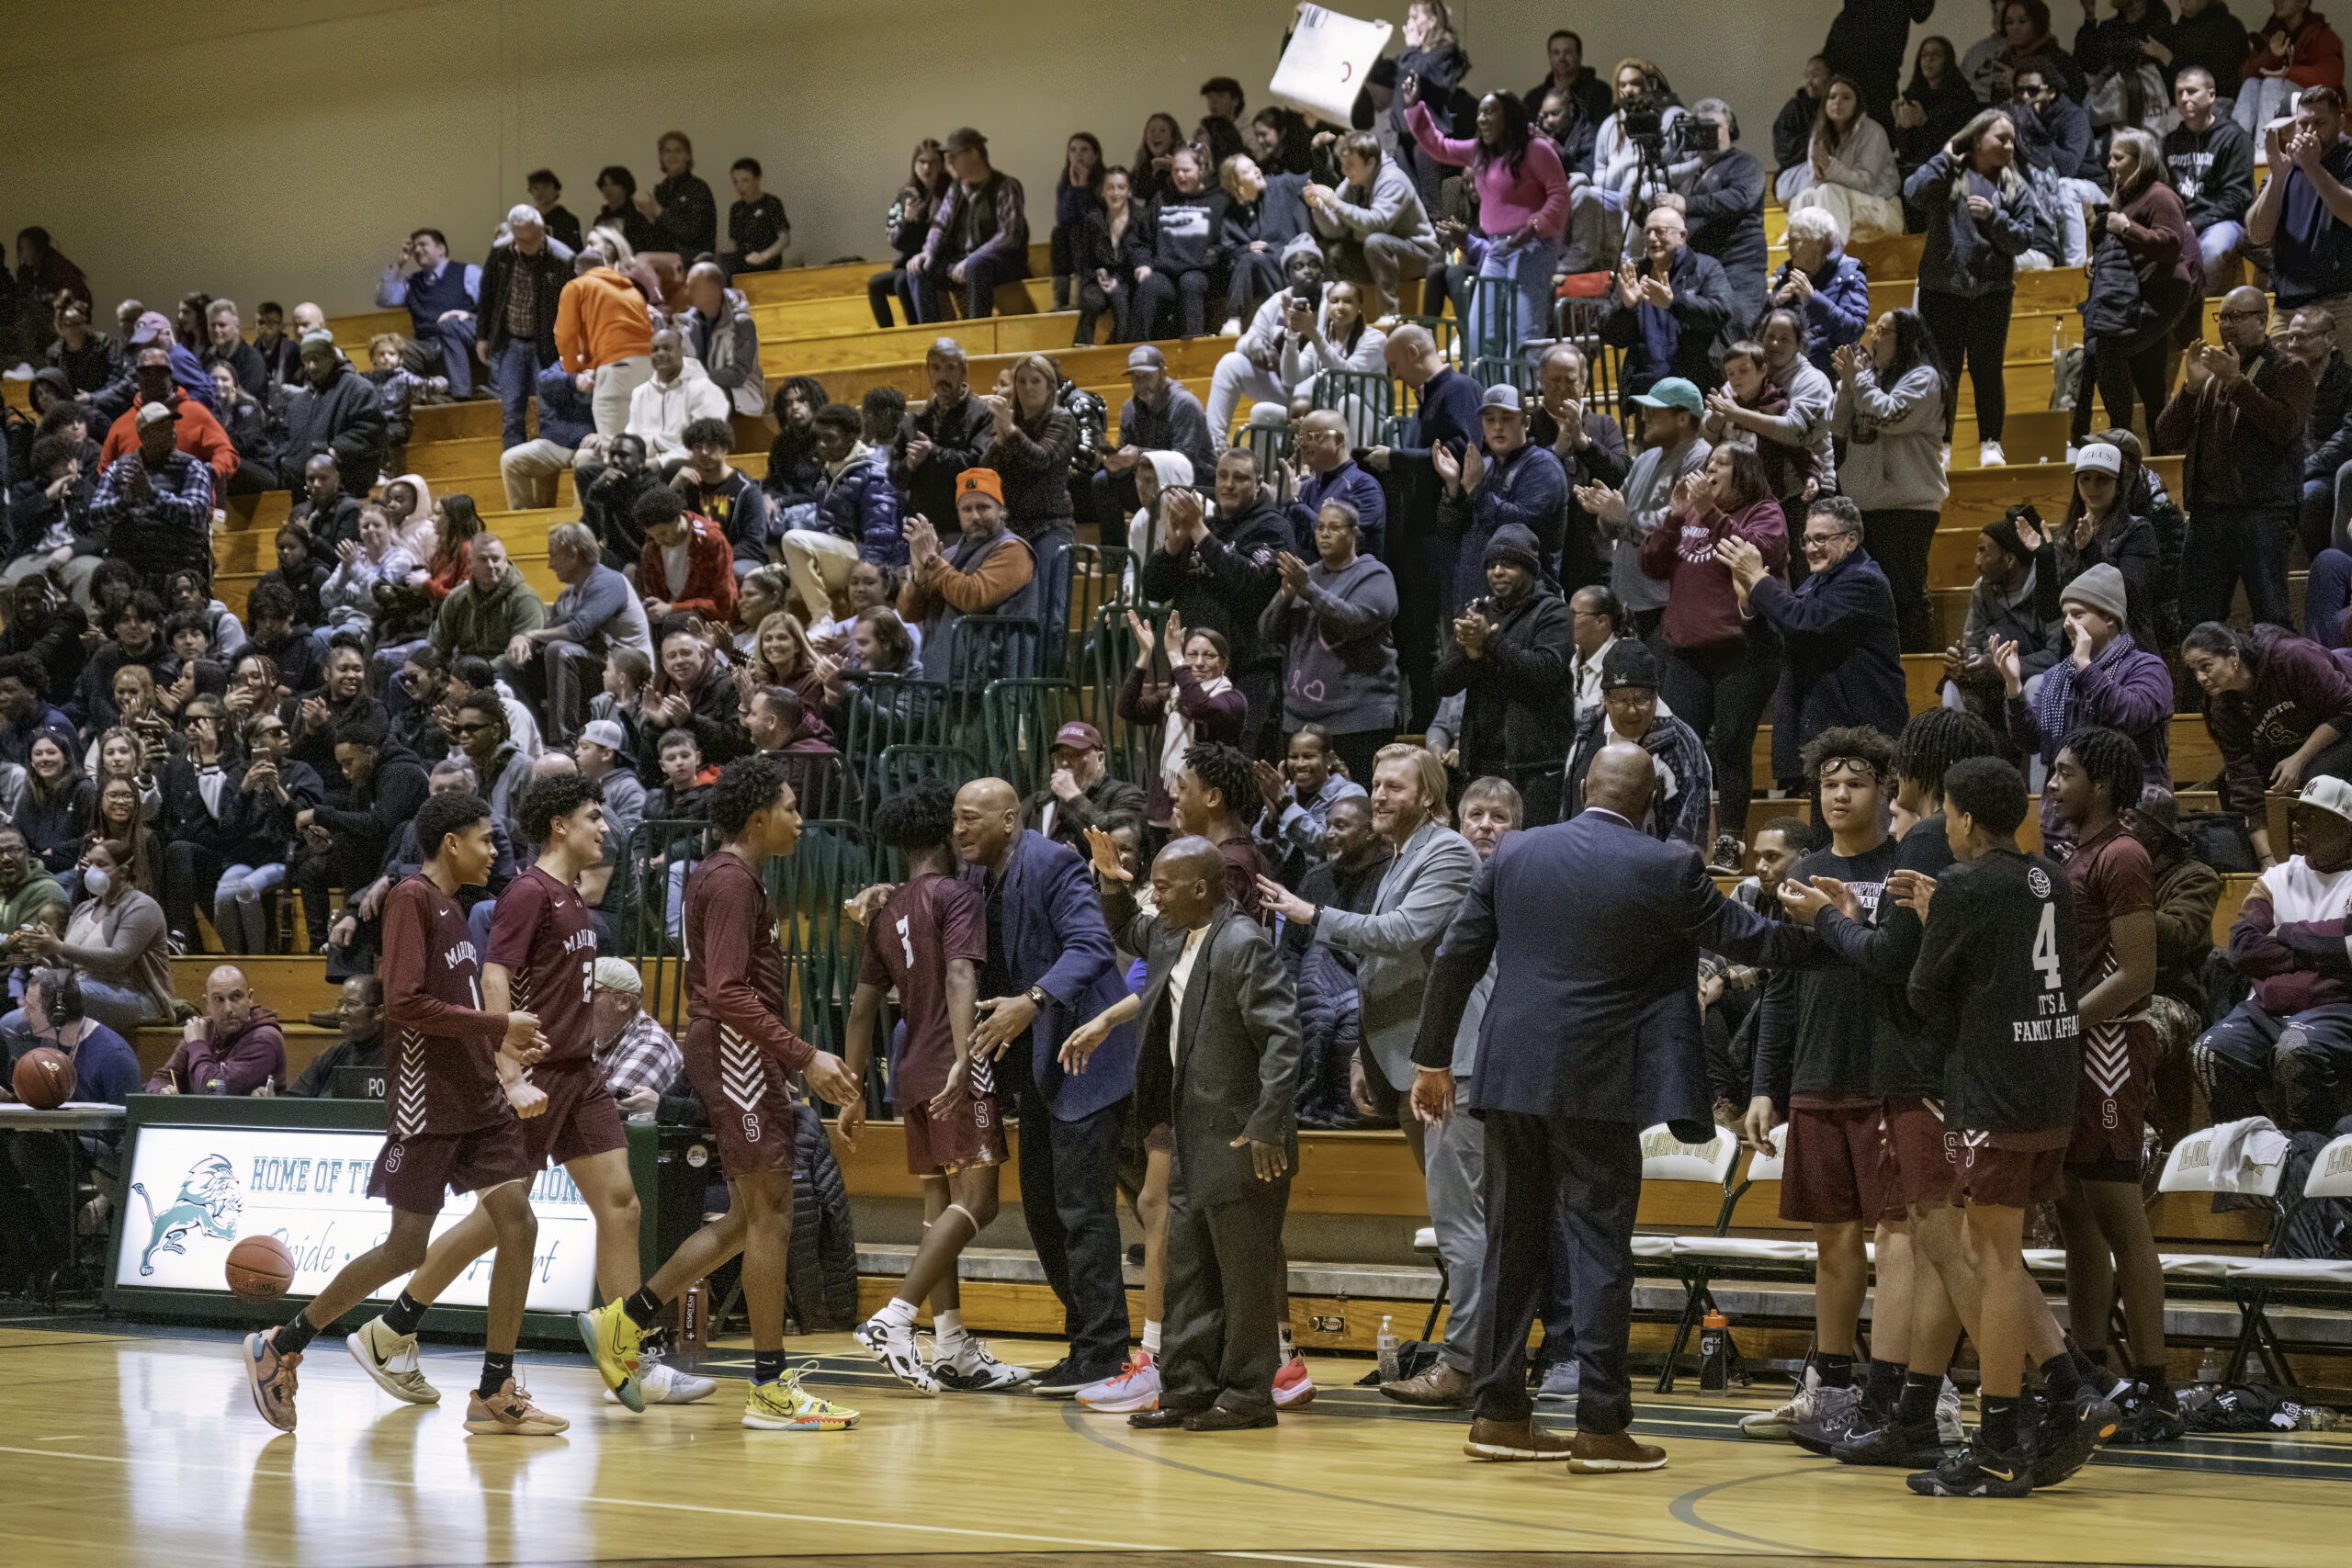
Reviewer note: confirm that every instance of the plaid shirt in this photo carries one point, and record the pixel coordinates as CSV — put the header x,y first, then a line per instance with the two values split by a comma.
x,y
643,1058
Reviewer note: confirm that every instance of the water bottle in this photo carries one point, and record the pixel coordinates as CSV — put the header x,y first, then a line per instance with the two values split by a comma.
x,y
2211,1365
1715,1354
1390,1369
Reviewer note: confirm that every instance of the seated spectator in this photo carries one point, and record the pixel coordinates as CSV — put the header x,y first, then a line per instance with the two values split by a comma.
x,y
1629,712
360,1023
407,502
609,496
719,335
1564,54
856,515
326,513
302,570
2295,52
485,613
2280,709
194,670
315,719
776,720
944,438
880,644
1825,283
2281,1051
224,344
1219,570
195,430
51,533
1078,195
440,295
637,1057
603,327
1330,1004
58,801
555,666
2021,42
521,290
281,355
2004,603
989,570
1934,106
1675,448
795,470
334,409
622,704
127,390
911,213
1185,255
115,944
2209,162
1299,796
1979,215
782,655
1292,346
401,390
1335,616
1793,127
469,676
2310,339
1842,661
1160,415
84,357
353,943
1721,197
677,393
280,636
758,233
230,824
530,468
686,564
692,690
1847,170
715,490
1112,240
246,421
48,630
502,767
2239,416
1374,224
1889,415
133,637
1667,312
2101,526
1508,657
980,234
1261,217
2108,680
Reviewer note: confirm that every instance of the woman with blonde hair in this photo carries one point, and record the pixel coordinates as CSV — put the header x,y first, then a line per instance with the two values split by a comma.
x,y
2148,276
1980,215
782,655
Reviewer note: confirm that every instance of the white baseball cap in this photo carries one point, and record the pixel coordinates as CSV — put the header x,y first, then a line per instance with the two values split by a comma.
x,y
2328,794
2099,458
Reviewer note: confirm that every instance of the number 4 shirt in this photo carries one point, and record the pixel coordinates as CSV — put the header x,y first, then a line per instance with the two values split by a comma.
x,y
541,936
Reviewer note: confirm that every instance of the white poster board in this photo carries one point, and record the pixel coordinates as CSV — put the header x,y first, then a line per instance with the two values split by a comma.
x,y
1325,65
195,1191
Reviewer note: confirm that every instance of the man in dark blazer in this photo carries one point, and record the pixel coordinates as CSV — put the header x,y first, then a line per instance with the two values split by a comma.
x,y
1595,1037
1051,967
1220,1053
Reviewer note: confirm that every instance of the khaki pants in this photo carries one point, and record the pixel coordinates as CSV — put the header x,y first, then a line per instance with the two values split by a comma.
x,y
76,574
530,471
609,399
818,565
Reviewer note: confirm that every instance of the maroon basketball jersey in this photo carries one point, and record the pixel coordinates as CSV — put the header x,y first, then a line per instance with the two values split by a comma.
x,y
541,935
925,923
440,1077
734,970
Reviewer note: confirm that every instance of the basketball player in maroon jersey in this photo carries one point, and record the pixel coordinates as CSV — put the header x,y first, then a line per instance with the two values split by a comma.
x,y
453,1084
739,1053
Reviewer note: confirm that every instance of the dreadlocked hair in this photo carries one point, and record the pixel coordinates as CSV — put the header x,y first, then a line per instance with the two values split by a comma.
x,y
2107,757
1227,770
1935,739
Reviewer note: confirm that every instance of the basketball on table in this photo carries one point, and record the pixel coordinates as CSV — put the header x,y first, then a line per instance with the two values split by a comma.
x,y
260,1267
44,1078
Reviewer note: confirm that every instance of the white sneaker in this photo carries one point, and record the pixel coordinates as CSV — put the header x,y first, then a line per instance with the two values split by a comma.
x,y
1136,1388
1232,327
1988,455
893,1345
665,1384
391,1359
969,1369
1949,1431
1772,1425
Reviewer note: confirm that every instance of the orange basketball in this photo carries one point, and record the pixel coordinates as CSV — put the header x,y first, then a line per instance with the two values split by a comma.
x,y
44,1078
260,1267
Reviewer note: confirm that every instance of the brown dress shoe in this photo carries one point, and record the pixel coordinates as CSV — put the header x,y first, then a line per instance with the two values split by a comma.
x,y
1443,1384
1217,1418
1513,1441
1600,1453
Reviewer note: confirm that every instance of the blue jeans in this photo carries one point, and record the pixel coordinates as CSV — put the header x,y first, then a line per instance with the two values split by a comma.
x,y
515,371
2219,242
1524,276
2226,544
2326,597
456,341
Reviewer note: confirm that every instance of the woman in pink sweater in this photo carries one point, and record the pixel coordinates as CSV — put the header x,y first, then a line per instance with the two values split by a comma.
x,y
1522,210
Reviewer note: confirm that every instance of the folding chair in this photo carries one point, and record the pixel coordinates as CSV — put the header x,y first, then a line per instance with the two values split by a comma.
x,y
1666,1158
2263,1282
2213,1276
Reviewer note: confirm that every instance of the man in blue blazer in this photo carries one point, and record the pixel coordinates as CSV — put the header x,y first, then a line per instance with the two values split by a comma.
x,y
1051,966
1592,1035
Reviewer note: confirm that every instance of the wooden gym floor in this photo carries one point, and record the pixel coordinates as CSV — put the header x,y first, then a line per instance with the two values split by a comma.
x,y
128,1445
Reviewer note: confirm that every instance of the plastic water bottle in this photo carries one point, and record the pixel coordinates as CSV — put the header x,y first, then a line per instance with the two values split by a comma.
x,y
1715,1354
2210,1366
1390,1367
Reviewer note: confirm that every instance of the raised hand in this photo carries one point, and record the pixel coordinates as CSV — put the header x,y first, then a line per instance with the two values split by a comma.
x,y
1103,852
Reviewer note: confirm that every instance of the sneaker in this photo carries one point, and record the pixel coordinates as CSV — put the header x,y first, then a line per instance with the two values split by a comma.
x,y
662,1383
1836,1413
1891,1444
1948,1429
1974,1470
1605,1453
1772,1425
391,1359
1560,1382
613,1339
269,1377
1136,1388
509,1413
783,1405
1293,1387
1729,856
1988,455
1065,1378
893,1345
969,1369
2061,1438
2149,1417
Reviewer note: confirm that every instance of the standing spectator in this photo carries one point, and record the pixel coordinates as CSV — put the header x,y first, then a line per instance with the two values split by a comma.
x,y
718,335
1523,208
1508,658
979,235
717,490
1674,447
2108,680
1978,211
1375,223
1112,240
1334,616
944,438
1078,195
2207,34
1220,570
1825,283
1564,54
522,290
1848,170
2301,210
1595,618
1865,45
1159,417
1793,439
619,216
2295,52
2279,710
2101,526
334,409
1590,447
237,1044
529,470
2209,163
155,506
1718,669
2239,417
1031,441
912,210
1667,312
1844,661
1628,715
758,233
988,570
554,667
2129,324
87,358
684,214
1327,470
1503,479
603,332
246,423
1890,414
1721,197
2310,339
857,515
440,295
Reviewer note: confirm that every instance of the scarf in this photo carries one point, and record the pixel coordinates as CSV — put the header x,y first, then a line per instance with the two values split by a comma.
x,y
1176,733
2054,705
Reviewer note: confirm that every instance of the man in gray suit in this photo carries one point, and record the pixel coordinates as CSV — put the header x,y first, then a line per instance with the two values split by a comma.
x,y
1221,1051
1599,925
1395,942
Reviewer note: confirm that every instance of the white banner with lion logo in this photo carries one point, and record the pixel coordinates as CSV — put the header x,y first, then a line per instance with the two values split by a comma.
x,y
195,1191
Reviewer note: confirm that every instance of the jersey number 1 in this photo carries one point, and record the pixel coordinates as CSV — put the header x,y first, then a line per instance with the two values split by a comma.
x,y
2045,949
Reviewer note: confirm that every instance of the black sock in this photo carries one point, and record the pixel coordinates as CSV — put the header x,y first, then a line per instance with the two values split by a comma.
x,y
496,1368
295,1334
1999,1428
642,1308
2153,1378
405,1314
766,1365
1836,1372
2097,1357
2063,1376
1918,1405
1884,1385
2091,1364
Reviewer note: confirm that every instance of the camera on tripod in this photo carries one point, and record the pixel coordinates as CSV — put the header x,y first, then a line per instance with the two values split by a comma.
x,y
1644,119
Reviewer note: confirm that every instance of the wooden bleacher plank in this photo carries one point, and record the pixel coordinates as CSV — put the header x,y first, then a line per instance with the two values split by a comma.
x,y
841,279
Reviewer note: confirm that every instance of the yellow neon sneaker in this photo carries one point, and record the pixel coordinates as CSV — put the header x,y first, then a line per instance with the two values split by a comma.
x,y
612,1338
783,1405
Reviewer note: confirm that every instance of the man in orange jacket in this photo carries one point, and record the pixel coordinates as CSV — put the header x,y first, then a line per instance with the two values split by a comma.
x,y
604,335
198,433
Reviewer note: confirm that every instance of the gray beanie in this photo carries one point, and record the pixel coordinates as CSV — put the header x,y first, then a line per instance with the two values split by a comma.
x,y
2101,589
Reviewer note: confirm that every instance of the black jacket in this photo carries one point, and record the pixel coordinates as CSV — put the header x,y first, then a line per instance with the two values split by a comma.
x,y
244,362
1185,230
367,819
1702,303
2327,430
342,416
498,277
1224,582
794,473
56,642
958,435
1518,706
1724,205
339,522
304,585
2212,169
31,512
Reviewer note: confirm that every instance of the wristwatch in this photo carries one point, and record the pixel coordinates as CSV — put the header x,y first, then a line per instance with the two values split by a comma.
x,y
1037,997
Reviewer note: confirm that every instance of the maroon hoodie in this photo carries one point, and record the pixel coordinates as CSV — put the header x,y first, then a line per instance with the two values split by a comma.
x,y
242,1061
1701,605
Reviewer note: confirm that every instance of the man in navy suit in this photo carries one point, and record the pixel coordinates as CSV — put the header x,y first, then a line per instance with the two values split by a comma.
x,y
1595,1037
1051,967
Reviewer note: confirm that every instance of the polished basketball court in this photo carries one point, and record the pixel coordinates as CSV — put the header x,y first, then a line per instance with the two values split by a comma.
x,y
132,1445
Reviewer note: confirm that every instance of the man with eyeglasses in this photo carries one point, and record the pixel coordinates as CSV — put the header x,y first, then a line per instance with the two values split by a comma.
x,y
1595,615
2310,339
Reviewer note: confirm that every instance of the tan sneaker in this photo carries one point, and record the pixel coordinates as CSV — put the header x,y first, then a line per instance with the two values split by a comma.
x,y
391,1359
1513,1441
269,1377
509,1413
1603,1453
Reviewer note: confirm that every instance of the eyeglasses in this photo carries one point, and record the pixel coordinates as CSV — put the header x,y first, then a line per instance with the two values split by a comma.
x,y
2240,315
472,729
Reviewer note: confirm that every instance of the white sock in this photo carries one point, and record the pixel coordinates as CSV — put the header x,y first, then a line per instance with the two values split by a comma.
x,y
1150,1337
1288,1349
947,1328
900,1314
